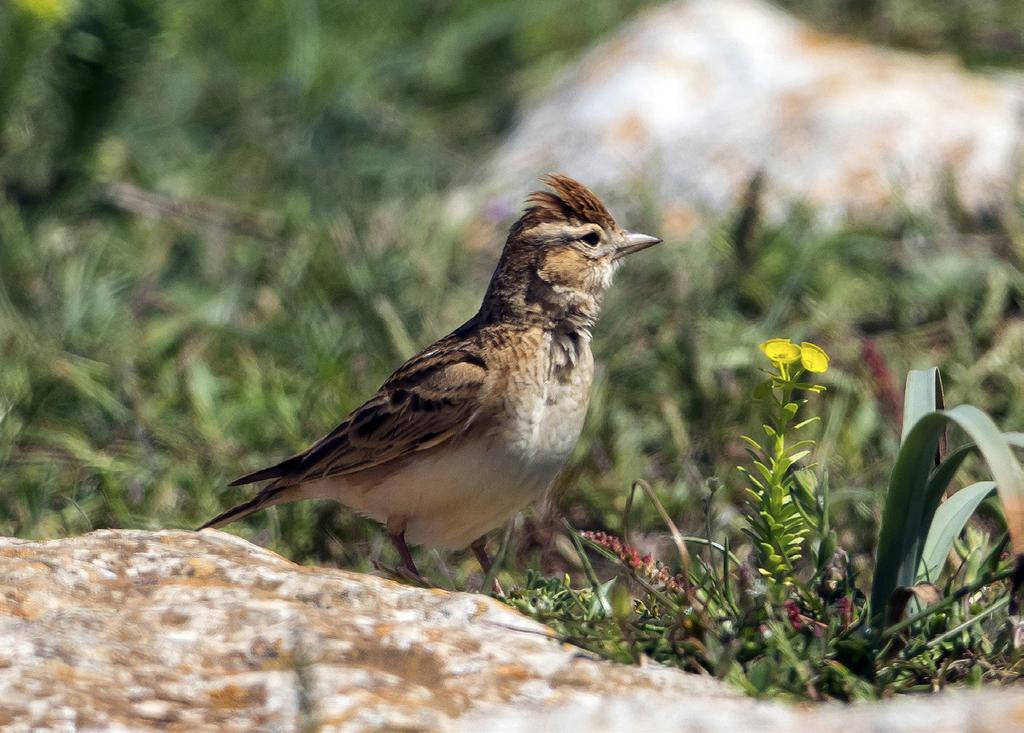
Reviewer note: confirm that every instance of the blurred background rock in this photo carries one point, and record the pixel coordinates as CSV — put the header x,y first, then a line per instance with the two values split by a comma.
x,y
222,224
694,99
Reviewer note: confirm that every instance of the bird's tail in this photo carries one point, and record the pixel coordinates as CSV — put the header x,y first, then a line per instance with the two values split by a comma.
x,y
269,496
277,471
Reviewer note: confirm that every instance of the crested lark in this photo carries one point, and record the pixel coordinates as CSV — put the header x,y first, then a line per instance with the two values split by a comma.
x,y
474,428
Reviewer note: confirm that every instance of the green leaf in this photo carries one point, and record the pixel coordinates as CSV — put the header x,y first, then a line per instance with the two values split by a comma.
x,y
923,395
751,442
809,386
915,490
760,674
763,390
802,443
949,521
807,480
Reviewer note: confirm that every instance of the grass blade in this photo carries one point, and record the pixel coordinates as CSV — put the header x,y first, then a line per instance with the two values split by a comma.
x,y
948,523
677,536
923,395
907,512
1006,470
915,489
914,495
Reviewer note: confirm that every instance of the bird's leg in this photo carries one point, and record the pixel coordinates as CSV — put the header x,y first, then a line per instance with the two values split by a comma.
x,y
479,548
398,540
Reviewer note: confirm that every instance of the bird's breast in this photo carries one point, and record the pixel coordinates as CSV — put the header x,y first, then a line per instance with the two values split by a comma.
x,y
546,399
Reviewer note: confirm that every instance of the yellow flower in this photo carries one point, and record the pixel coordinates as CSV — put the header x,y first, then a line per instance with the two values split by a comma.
x,y
781,351
813,357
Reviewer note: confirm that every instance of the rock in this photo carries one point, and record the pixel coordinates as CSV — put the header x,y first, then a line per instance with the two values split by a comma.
x,y
155,630
129,630
693,98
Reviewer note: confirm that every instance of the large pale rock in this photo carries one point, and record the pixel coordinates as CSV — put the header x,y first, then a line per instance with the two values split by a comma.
x,y
694,97
140,631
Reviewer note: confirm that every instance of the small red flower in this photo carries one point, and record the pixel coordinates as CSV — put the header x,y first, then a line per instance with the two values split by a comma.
x,y
794,615
645,565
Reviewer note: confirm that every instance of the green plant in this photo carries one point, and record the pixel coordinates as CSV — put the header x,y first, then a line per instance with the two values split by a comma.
x,y
800,628
911,544
783,504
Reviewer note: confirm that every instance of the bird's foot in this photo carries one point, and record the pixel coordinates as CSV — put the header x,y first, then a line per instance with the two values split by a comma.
x,y
479,548
402,574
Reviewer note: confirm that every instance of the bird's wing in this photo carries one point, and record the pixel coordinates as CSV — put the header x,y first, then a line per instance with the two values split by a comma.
x,y
428,401
431,399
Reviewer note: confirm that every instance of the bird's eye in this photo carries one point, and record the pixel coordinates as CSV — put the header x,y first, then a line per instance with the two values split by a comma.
x,y
591,239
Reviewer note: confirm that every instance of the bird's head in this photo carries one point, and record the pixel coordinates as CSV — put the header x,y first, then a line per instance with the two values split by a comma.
x,y
560,255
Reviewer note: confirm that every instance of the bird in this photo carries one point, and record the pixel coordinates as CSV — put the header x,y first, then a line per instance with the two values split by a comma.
x,y
474,428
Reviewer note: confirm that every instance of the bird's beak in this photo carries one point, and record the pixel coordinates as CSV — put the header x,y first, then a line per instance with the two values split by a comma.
x,y
634,242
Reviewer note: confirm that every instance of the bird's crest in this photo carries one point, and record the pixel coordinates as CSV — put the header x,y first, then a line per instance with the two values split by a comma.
x,y
568,200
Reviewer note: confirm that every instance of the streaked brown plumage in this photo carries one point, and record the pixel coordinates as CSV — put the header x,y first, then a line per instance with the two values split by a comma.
x,y
469,431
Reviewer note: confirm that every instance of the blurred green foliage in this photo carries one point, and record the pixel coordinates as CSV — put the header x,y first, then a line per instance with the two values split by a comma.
x,y
220,230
